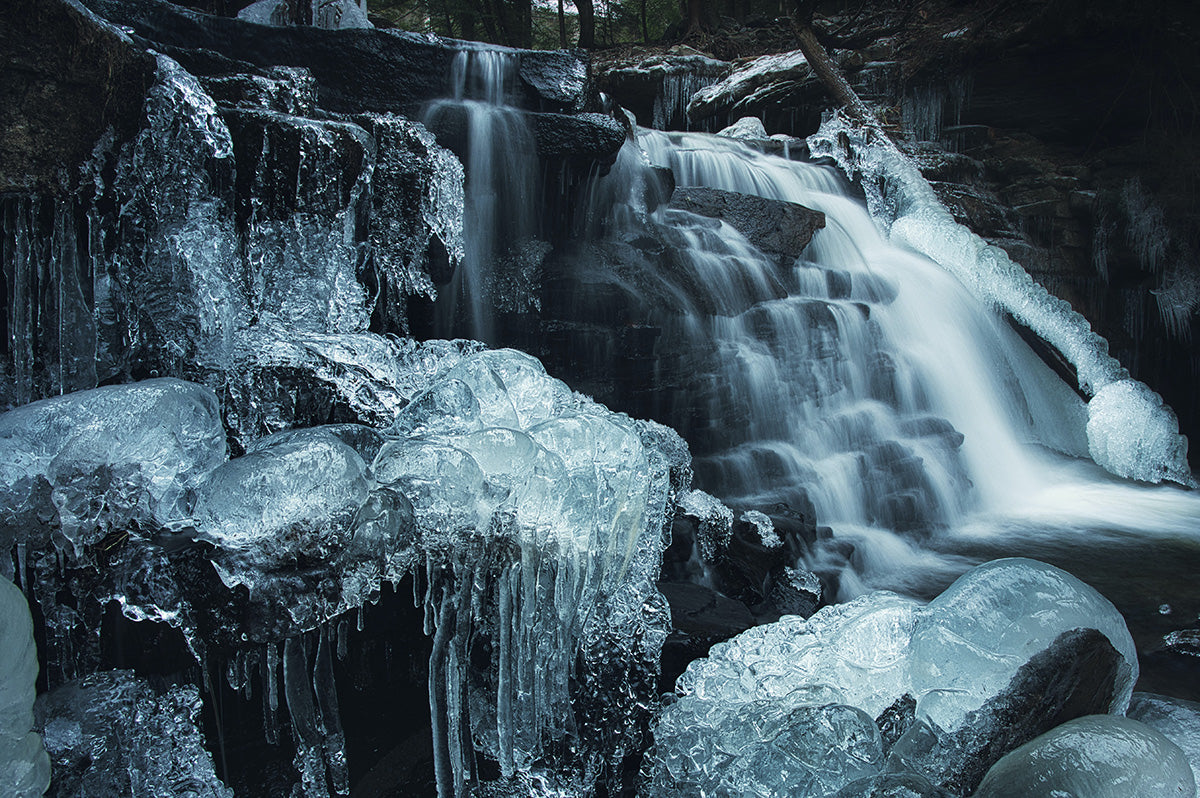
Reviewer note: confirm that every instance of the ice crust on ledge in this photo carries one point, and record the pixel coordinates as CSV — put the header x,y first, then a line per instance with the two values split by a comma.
x,y
96,460
1100,756
534,518
901,199
1132,434
24,766
730,729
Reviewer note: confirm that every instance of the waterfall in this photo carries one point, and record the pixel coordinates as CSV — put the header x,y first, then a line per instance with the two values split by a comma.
x,y
866,386
501,167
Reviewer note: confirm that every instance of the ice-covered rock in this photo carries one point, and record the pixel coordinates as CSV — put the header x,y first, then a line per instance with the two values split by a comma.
x,y
1010,649
1078,674
24,767
1178,720
1100,756
111,734
714,522
92,461
296,522
751,84
903,201
969,641
734,704
1132,434
523,491
748,127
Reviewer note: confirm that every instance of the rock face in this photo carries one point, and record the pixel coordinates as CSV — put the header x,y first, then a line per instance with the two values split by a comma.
x,y
656,88
68,81
406,69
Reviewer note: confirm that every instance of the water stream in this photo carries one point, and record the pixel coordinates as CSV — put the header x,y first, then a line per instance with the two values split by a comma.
x,y
860,385
925,433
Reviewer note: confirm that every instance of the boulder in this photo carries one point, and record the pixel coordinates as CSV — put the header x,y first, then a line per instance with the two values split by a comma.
x,y
1077,675
778,228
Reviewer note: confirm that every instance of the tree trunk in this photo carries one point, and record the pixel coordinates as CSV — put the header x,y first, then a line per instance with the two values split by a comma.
x,y
695,17
587,24
562,26
829,73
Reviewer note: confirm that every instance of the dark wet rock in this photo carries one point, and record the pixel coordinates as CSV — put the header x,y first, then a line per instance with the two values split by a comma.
x,y
778,228
897,719
67,80
405,69
587,136
700,618
1076,675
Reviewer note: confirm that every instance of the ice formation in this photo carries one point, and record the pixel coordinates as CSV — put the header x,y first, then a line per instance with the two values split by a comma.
x,y
1132,434
1100,756
112,734
504,464
89,462
732,723
971,639
24,766
1178,720
335,15
902,200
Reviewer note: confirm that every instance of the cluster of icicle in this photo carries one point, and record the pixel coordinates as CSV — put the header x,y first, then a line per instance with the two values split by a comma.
x,y
1131,433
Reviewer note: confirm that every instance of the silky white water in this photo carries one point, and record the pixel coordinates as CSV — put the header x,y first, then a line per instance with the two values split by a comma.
x,y
849,390
500,169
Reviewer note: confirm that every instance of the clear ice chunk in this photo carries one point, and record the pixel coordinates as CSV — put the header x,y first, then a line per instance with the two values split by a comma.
x,y
111,734
24,766
969,641
108,456
1100,756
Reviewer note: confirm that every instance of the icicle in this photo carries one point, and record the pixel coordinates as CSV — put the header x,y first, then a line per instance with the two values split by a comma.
x,y
342,633
360,621
297,691
325,688
271,663
248,661
437,710
22,567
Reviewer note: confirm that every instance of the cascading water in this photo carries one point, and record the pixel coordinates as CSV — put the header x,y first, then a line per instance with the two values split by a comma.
x,y
501,170
865,385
